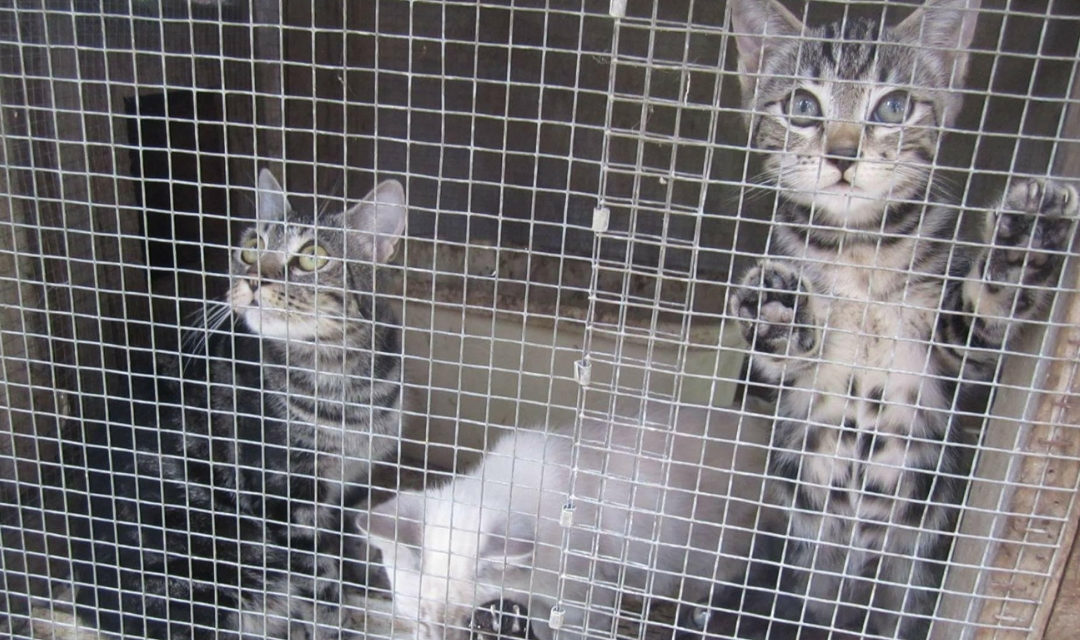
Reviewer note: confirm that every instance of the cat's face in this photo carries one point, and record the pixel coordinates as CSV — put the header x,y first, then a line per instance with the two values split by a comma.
x,y
299,278
848,115
447,559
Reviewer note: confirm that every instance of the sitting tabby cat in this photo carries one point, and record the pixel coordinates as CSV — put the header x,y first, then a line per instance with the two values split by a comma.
x,y
214,505
870,318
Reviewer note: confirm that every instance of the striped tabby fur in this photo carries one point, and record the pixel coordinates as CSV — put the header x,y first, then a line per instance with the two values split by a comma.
x,y
869,316
225,523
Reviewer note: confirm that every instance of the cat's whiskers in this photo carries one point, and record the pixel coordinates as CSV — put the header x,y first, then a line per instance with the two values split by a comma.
x,y
758,188
200,325
945,188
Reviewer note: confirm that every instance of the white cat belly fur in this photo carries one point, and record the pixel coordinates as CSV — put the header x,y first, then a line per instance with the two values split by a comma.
x,y
651,509
873,336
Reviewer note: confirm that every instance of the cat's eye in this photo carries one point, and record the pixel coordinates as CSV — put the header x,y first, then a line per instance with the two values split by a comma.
x,y
804,110
893,108
250,249
312,257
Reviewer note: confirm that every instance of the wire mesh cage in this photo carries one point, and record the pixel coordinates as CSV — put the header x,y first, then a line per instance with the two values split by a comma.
x,y
242,398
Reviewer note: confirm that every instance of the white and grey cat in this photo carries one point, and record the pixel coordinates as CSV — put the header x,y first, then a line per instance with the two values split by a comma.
x,y
870,317
487,556
215,504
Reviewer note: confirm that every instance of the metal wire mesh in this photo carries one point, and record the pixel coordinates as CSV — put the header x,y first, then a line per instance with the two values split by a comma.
x,y
581,194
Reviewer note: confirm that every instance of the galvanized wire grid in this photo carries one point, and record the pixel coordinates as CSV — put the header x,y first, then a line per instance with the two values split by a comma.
x,y
580,193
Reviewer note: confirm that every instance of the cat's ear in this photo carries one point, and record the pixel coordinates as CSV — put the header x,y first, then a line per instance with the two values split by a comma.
x,y
508,538
759,25
395,528
946,27
270,201
397,521
375,225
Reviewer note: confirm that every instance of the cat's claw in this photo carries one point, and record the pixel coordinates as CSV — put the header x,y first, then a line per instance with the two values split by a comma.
x,y
693,622
500,619
1042,196
1032,232
772,305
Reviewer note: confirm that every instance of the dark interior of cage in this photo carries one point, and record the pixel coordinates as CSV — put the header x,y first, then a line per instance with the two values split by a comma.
x,y
509,127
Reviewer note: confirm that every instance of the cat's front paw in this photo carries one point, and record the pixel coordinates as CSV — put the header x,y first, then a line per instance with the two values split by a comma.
x,y
1032,232
723,619
772,303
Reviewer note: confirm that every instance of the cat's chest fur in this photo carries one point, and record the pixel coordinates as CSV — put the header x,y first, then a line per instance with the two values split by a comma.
x,y
281,435
851,414
876,318
872,320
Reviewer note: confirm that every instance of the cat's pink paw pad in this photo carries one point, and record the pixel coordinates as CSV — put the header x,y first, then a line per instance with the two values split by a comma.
x,y
771,303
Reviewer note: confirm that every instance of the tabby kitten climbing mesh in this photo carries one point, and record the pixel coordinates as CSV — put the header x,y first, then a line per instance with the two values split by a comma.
x,y
581,197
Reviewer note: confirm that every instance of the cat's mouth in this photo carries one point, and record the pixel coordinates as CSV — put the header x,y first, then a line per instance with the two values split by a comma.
x,y
826,181
270,321
851,190
844,188
241,296
259,316
244,298
266,312
843,185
